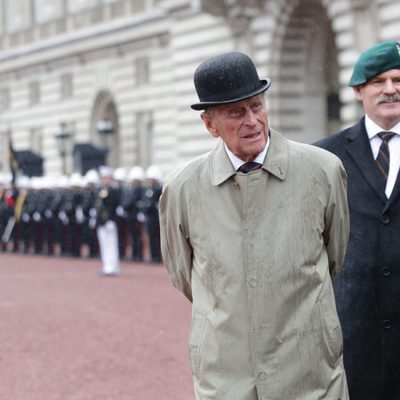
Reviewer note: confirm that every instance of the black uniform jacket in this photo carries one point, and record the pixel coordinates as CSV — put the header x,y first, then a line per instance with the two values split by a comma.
x,y
368,287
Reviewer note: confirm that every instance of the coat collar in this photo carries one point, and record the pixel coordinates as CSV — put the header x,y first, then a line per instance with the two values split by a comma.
x,y
276,162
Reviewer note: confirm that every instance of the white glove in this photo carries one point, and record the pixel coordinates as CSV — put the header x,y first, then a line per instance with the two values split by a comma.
x,y
141,217
120,211
92,223
48,213
93,212
79,215
25,217
36,217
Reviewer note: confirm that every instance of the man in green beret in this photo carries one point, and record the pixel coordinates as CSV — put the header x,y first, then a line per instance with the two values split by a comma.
x,y
368,288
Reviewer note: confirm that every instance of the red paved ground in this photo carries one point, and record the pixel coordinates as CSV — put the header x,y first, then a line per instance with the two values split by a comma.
x,y
67,333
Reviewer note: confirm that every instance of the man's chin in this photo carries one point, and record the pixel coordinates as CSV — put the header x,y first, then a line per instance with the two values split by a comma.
x,y
254,151
390,118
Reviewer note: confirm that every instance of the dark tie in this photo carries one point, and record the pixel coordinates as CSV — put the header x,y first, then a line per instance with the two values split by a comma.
x,y
383,159
249,166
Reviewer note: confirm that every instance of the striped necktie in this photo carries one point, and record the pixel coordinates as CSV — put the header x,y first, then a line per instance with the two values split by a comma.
x,y
383,159
249,166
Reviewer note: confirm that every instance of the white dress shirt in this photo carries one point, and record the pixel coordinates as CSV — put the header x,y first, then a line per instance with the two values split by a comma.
x,y
394,148
237,162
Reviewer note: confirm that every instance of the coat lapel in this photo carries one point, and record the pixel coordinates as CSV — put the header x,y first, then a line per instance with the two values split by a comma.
x,y
221,167
394,195
360,151
277,160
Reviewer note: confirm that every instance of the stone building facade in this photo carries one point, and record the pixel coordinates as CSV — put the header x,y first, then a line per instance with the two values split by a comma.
x,y
119,73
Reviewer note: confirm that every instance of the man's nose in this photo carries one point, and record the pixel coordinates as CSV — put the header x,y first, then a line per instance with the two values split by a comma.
x,y
389,86
251,118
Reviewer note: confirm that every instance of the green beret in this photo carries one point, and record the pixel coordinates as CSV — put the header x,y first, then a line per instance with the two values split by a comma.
x,y
377,59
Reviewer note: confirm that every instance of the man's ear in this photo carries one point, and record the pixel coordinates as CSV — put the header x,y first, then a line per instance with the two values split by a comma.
x,y
208,122
357,91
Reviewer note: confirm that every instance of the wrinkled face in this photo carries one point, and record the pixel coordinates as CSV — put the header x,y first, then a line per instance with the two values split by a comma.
x,y
381,98
242,125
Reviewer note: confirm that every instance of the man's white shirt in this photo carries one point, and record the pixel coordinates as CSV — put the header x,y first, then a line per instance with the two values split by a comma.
x,y
394,148
237,162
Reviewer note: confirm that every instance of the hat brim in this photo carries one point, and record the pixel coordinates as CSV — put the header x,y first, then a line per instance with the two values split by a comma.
x,y
265,84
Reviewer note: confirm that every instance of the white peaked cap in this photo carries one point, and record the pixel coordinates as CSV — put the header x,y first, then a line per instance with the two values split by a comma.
x,y
22,181
136,173
92,176
36,183
105,171
51,181
44,182
119,174
63,181
76,179
153,172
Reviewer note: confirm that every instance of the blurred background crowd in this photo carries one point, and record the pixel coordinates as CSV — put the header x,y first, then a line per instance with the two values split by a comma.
x,y
59,216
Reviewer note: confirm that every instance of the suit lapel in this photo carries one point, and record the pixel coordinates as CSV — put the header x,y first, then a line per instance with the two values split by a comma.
x,y
360,151
395,193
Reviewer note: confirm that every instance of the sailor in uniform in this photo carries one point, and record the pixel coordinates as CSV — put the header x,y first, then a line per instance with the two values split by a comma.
x,y
107,233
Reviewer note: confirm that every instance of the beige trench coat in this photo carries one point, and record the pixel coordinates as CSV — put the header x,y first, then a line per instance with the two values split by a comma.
x,y
255,254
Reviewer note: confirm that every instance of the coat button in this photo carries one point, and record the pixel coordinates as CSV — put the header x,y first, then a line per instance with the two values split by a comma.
x,y
385,219
253,283
262,376
387,324
386,271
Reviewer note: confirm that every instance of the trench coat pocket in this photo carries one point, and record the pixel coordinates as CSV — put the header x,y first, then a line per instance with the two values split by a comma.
x,y
331,329
196,340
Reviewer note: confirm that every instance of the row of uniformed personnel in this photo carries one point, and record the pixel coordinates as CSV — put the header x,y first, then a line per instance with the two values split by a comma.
x,y
64,217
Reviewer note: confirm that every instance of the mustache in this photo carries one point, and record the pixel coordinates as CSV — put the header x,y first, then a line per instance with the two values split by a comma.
x,y
393,98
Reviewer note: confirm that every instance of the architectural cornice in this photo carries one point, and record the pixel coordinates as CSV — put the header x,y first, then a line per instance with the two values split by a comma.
x,y
238,13
358,5
227,7
74,43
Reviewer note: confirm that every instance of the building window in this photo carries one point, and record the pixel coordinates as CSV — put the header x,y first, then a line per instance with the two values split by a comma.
x,y
5,100
67,89
144,137
18,15
47,10
142,69
34,93
36,140
138,6
76,6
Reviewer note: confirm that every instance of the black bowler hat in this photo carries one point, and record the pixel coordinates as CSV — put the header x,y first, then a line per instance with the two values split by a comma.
x,y
227,78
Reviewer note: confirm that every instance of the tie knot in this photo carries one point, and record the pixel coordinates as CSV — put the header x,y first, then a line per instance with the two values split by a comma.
x,y
249,166
386,136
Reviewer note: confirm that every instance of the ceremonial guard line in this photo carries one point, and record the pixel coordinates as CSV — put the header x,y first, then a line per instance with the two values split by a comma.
x,y
67,216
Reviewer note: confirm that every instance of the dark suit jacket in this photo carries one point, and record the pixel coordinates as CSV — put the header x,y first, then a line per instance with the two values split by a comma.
x,y
106,203
368,287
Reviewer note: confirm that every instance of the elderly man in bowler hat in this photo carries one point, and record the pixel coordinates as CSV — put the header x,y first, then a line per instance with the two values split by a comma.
x,y
252,234
368,289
